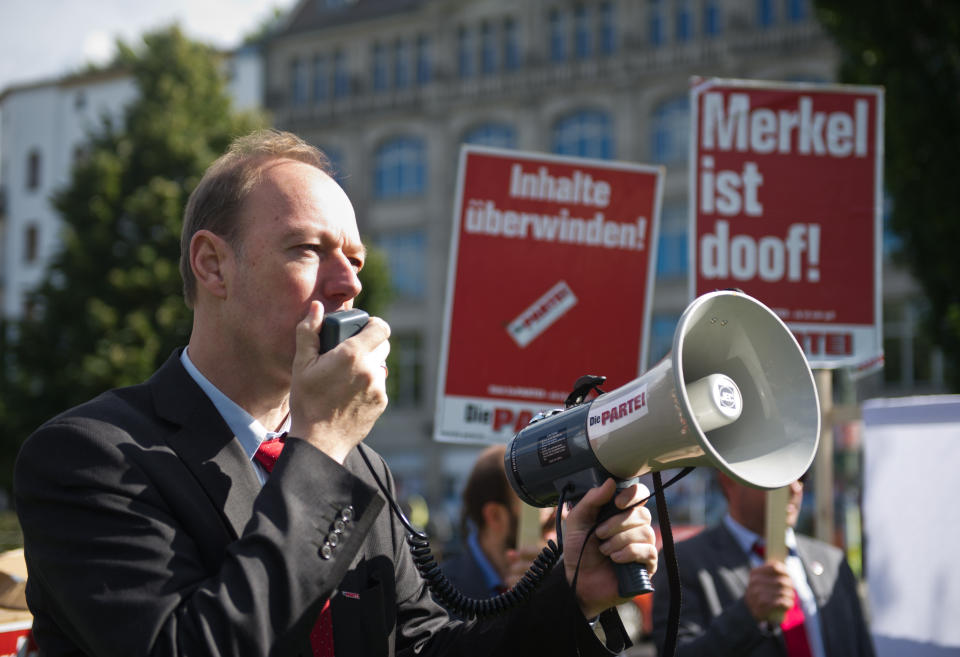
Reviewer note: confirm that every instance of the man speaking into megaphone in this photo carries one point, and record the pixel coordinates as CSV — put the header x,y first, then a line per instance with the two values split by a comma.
x,y
229,506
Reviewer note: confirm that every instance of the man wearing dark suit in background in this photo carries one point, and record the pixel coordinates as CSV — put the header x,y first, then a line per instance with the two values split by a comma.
x,y
488,528
491,562
729,591
154,524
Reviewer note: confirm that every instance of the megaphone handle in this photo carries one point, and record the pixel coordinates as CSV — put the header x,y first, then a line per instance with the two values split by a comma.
x,y
632,578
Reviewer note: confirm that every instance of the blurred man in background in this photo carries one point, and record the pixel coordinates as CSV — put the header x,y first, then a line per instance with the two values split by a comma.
x,y
734,598
489,520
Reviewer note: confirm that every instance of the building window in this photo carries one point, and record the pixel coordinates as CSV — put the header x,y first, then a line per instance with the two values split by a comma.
x,y
671,131
582,32
684,22
33,169
511,45
672,254
321,79
499,135
797,10
655,22
31,243
465,63
379,72
405,383
400,168
406,253
335,156
765,15
892,242
488,50
424,60
608,29
401,64
298,82
341,75
558,36
711,18
584,134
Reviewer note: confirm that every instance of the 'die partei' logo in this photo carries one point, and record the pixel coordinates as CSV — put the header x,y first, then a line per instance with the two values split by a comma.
x,y
609,415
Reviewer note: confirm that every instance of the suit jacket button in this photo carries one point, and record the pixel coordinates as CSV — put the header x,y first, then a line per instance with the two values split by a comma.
x,y
333,539
347,513
326,551
339,525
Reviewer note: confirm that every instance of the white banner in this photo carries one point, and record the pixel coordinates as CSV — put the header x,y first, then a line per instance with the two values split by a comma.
x,y
912,524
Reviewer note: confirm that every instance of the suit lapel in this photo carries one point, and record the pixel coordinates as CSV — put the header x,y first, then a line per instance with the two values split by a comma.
x,y
820,571
203,441
735,566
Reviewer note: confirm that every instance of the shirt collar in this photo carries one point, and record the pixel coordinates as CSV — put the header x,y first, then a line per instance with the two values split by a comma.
x,y
746,538
490,576
244,426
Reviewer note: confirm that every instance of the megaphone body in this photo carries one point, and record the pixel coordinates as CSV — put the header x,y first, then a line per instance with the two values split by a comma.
x,y
736,393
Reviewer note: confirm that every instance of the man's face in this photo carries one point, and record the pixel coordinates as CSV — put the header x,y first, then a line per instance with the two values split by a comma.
x,y
748,505
299,242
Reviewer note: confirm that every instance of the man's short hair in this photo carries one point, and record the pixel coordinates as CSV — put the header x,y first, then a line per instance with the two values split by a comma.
x,y
215,203
487,483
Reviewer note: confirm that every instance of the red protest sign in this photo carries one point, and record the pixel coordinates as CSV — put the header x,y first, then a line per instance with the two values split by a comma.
x,y
786,205
551,274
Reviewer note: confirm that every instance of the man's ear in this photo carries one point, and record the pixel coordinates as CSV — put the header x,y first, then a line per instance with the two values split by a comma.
x,y
496,518
210,257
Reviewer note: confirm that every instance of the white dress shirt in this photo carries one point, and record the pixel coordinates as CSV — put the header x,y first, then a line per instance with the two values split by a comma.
x,y
244,426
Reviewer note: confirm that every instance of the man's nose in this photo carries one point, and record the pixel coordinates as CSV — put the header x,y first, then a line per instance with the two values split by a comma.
x,y
338,280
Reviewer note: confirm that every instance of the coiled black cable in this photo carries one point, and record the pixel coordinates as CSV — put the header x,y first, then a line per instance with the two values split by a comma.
x,y
467,607
446,593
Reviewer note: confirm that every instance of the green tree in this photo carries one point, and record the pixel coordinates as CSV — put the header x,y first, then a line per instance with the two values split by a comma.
x,y
913,50
111,309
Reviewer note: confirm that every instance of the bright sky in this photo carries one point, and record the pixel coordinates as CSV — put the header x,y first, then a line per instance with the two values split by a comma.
x,y
43,39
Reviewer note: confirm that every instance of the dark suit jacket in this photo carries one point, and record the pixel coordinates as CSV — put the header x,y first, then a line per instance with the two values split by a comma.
x,y
465,574
147,533
714,619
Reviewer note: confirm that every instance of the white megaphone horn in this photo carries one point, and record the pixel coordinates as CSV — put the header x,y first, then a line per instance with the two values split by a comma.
x,y
735,393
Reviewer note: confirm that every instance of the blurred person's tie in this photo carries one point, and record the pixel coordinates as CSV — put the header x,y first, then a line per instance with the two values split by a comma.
x,y
321,637
792,625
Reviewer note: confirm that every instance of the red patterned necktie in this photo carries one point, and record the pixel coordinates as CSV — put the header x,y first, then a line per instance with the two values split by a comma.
x,y
792,625
321,637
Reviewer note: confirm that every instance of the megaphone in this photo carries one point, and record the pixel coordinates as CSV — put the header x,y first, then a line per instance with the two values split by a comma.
x,y
735,393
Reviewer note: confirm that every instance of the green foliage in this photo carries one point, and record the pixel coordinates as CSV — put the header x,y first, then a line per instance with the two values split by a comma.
x,y
111,309
376,294
913,50
375,298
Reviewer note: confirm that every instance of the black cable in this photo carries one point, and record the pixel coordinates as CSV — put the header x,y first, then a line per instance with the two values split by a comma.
x,y
446,593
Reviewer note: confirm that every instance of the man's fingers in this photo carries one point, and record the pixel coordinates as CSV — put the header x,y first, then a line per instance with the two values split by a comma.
x,y
633,494
308,330
584,514
375,332
641,534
